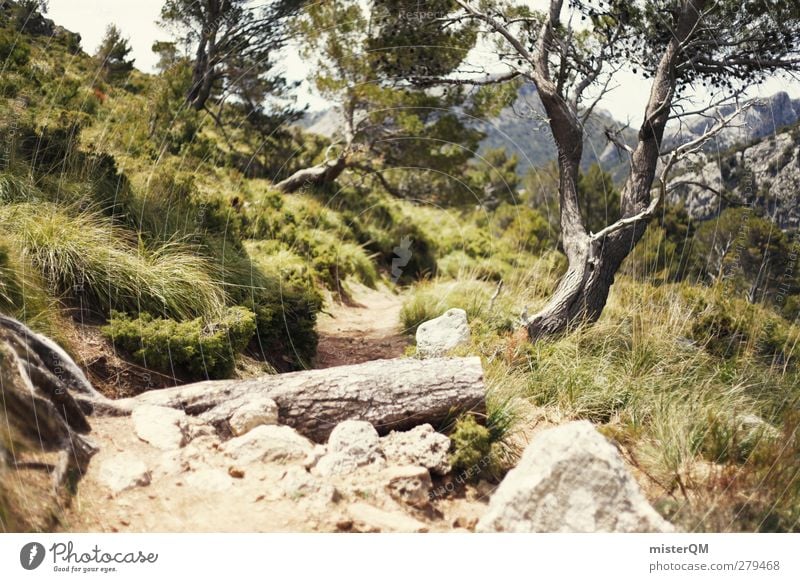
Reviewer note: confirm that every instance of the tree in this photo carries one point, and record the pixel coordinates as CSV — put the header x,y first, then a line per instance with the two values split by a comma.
x,y
405,138
494,174
111,55
678,45
233,43
26,15
747,252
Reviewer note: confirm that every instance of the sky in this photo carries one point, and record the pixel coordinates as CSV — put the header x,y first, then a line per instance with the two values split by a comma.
x,y
137,20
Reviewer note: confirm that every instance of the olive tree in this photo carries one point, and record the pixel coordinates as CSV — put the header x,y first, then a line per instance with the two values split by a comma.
x,y
573,52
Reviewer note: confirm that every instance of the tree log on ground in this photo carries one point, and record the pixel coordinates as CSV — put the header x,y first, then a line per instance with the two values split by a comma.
x,y
391,394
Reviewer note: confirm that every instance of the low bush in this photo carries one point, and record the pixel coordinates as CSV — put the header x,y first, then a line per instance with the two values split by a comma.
x,y
280,289
192,349
89,259
471,446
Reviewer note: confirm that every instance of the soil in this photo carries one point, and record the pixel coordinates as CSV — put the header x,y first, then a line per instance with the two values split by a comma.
x,y
365,327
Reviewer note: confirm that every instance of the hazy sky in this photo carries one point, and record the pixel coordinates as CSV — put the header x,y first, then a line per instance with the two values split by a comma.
x,y
137,19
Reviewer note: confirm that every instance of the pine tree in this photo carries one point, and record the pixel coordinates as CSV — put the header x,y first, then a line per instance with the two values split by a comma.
x,y
112,56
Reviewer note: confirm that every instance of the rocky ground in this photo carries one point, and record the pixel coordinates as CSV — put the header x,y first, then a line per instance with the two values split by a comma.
x,y
147,478
238,455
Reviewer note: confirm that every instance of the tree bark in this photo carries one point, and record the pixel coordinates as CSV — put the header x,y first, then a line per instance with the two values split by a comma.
x,y
38,409
390,394
318,175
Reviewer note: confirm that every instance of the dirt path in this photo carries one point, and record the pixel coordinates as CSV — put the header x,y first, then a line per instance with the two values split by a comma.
x,y
366,328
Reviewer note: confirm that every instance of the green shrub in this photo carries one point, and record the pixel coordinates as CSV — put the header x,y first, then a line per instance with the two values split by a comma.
x,y
278,287
471,446
88,258
14,50
729,327
432,299
191,349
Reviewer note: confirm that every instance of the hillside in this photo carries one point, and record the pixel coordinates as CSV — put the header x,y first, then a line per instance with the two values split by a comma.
x,y
763,173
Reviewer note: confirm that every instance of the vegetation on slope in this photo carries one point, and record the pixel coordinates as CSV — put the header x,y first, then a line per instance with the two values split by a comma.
x,y
120,202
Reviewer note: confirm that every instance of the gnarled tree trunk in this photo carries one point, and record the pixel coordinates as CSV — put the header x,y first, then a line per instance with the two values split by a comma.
x,y
594,259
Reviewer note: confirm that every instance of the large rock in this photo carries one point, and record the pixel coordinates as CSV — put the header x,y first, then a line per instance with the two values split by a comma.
x,y
268,443
356,438
123,472
438,336
570,479
164,428
352,444
297,484
252,414
421,446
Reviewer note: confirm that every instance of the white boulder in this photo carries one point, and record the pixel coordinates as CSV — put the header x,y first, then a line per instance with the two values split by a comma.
x,y
421,446
252,414
438,336
570,479
268,443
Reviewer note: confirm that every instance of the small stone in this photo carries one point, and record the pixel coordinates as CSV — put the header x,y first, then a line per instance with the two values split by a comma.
x,y
123,472
467,523
355,438
236,472
410,485
268,443
344,525
334,464
420,446
164,428
352,444
260,411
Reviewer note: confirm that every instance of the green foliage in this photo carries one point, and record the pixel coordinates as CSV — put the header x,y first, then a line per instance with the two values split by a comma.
x,y
193,349
14,50
397,25
494,179
276,285
404,135
728,326
101,266
232,46
112,55
748,252
471,445
598,199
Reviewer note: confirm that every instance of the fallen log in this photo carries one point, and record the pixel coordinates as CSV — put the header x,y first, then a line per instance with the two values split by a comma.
x,y
391,394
